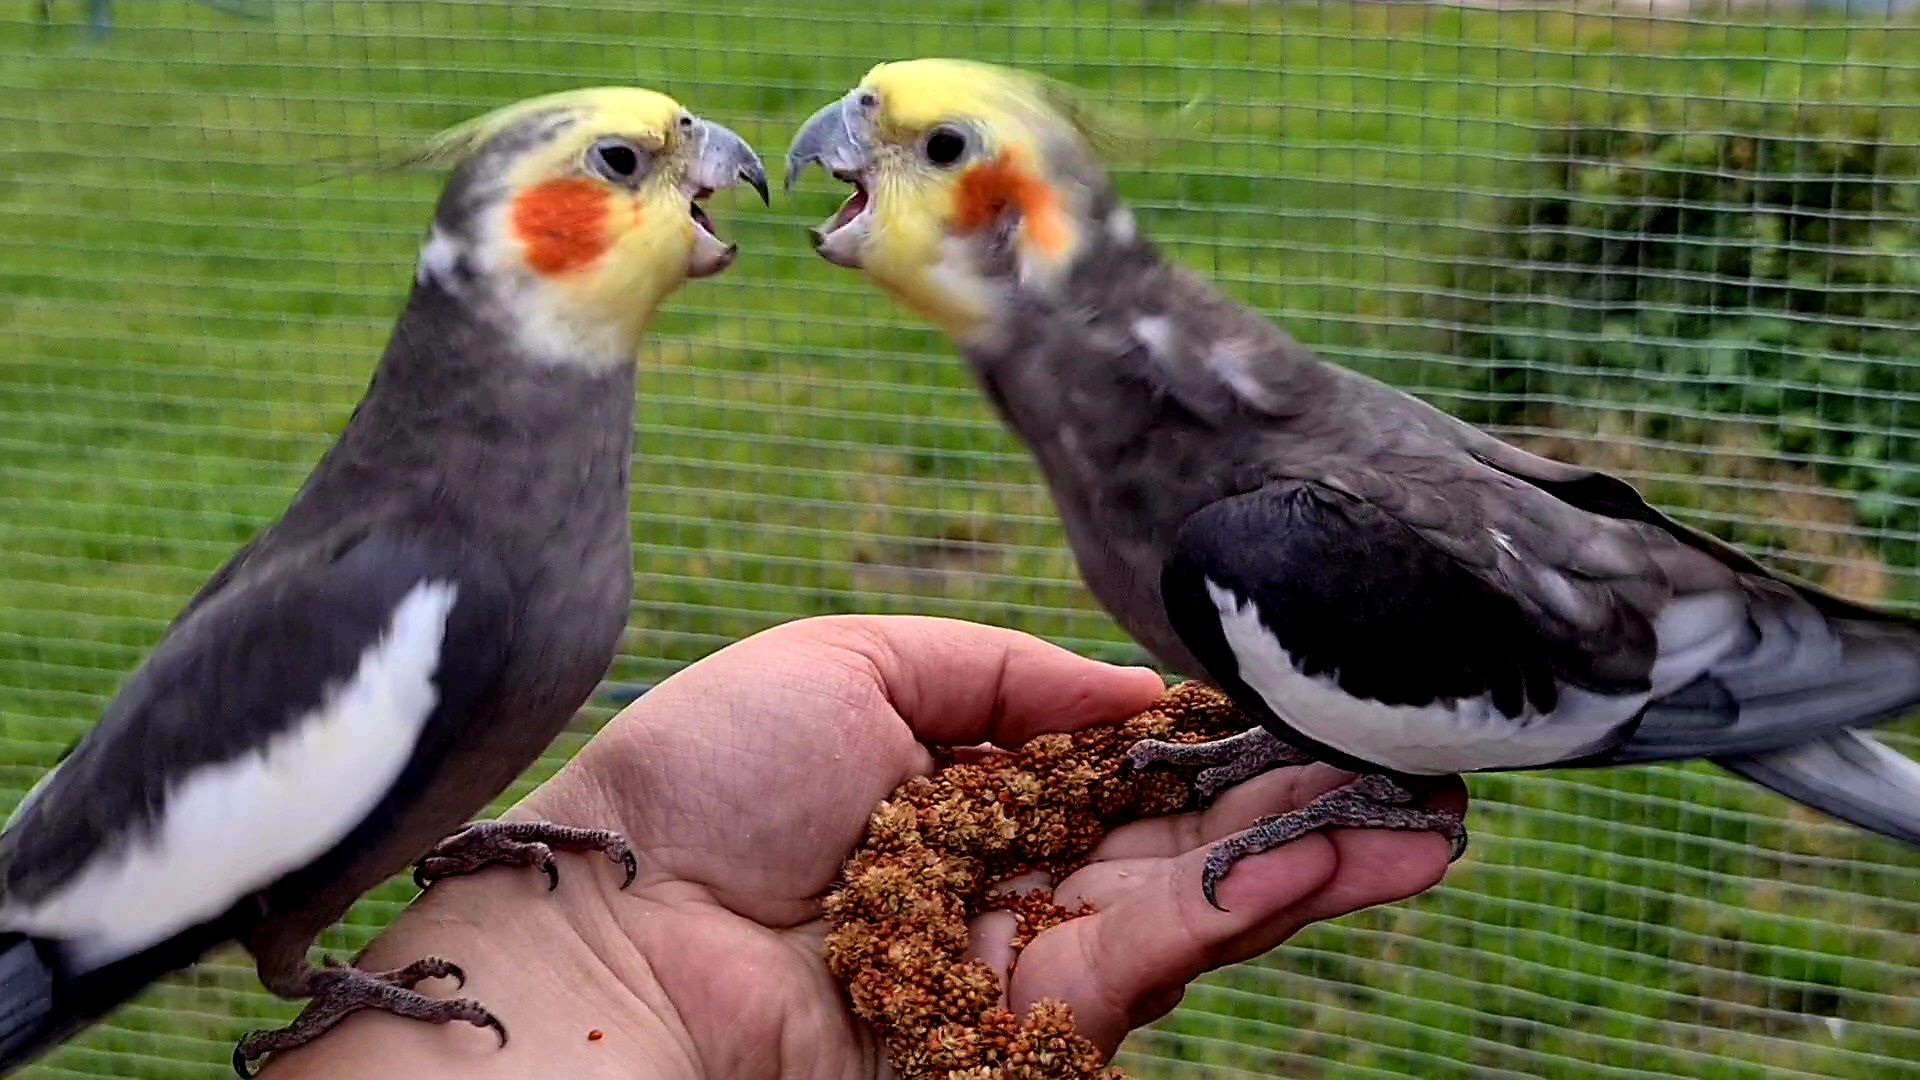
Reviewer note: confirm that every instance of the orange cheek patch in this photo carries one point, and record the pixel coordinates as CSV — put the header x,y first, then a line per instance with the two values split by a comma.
x,y
563,224
987,190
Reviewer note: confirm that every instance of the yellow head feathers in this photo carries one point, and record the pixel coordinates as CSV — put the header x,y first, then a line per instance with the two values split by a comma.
x,y
571,216
919,93
625,108
970,180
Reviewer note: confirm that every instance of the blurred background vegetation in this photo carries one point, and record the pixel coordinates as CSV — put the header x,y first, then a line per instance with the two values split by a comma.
x,y
1681,244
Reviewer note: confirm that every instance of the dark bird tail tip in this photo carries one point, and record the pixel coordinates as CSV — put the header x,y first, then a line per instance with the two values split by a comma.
x,y
29,1022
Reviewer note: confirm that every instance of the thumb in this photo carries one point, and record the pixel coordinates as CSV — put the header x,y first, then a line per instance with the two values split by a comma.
x,y
959,683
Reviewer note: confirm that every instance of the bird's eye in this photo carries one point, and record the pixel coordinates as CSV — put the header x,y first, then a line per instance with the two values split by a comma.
x,y
614,159
686,122
946,145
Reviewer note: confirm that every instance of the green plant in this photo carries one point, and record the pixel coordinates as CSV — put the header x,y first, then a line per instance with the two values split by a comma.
x,y
1698,261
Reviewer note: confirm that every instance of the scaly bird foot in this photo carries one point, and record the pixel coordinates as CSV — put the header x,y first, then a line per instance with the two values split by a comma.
x,y
338,991
1370,802
519,843
1222,762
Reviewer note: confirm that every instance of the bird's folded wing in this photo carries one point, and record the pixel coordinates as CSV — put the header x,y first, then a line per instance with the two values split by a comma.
x,y
1609,496
1371,640
1752,660
1447,621
262,730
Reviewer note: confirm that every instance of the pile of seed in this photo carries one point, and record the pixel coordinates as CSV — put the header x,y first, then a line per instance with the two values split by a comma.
x,y
932,854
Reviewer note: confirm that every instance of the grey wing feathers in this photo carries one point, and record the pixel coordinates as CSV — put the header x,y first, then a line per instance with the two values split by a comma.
x,y
1737,660
1849,775
1609,496
1779,680
236,672
1749,660
1785,674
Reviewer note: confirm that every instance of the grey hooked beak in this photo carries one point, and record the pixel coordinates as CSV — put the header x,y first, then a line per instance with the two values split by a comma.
x,y
838,138
724,160
721,160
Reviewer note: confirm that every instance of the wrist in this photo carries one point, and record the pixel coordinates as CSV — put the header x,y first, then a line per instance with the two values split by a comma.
x,y
560,970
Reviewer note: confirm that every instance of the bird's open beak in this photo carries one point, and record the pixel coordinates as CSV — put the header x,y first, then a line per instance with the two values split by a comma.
x,y
839,139
721,160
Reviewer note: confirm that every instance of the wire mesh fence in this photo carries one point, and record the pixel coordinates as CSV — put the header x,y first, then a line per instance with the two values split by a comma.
x,y
1678,242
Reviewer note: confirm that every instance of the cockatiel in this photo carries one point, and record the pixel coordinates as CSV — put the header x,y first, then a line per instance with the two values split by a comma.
x,y
442,595
1384,587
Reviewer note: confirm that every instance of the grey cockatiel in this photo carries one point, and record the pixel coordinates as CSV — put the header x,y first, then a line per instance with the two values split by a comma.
x,y
1386,588
441,596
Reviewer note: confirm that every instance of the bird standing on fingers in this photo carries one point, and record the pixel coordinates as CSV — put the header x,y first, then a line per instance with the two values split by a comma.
x,y
444,592
1388,589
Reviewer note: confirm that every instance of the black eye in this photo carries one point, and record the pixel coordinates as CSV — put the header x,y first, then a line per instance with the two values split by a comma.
x,y
614,159
946,145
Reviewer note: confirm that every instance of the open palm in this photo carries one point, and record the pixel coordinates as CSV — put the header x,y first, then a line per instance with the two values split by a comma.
x,y
744,782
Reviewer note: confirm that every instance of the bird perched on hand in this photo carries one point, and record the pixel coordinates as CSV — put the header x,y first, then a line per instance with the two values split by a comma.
x,y
441,596
1384,587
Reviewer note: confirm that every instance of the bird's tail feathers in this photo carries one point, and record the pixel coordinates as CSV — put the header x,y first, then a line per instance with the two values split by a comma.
x,y
1847,775
29,1020
1790,675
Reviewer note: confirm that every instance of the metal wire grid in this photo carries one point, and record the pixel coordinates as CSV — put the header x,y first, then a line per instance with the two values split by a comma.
x,y
192,308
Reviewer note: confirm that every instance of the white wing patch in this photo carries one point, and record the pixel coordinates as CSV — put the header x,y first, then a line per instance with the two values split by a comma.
x,y
1420,740
230,829
1232,362
1156,332
1694,633
1895,766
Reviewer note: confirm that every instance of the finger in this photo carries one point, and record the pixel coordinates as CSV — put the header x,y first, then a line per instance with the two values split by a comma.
x,y
1117,966
1380,866
960,683
1275,792
990,936
1019,883
990,939
1373,866
1153,931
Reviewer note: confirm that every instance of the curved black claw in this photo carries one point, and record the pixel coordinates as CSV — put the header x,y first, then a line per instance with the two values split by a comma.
x,y
1211,875
492,1021
447,969
630,864
240,1065
552,870
1370,802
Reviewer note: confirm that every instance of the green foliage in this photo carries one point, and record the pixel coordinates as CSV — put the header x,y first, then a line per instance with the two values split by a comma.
x,y
1695,260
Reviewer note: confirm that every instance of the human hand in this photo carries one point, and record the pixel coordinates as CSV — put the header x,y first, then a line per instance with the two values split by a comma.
x,y
743,783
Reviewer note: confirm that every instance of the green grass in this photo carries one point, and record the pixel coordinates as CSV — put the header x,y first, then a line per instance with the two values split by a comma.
x,y
191,309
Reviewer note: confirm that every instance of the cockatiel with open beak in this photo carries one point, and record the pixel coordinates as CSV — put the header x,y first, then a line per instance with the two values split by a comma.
x,y
440,598
1384,587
